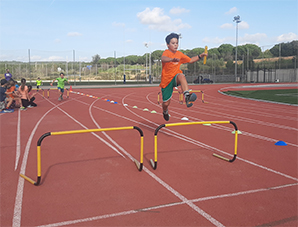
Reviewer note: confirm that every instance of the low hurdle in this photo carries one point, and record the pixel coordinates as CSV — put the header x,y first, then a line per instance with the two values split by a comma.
x,y
181,99
48,92
154,163
43,92
36,183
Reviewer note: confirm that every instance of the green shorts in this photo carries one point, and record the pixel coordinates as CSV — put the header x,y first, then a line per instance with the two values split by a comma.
x,y
167,92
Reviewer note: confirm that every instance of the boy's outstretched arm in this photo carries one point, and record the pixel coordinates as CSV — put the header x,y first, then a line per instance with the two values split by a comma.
x,y
52,82
199,57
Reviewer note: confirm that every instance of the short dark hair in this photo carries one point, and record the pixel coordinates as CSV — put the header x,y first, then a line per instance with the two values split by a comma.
x,y
171,36
3,81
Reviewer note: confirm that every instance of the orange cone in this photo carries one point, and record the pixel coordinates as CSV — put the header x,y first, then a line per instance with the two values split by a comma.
x,y
70,88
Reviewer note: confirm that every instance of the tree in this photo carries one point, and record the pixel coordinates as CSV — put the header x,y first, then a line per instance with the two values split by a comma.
x,y
253,50
156,55
194,52
95,59
212,52
268,54
226,51
287,49
230,65
131,59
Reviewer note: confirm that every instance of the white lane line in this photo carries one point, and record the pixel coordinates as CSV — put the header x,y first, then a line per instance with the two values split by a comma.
x,y
103,132
222,127
97,136
193,141
106,216
184,199
18,148
142,124
16,222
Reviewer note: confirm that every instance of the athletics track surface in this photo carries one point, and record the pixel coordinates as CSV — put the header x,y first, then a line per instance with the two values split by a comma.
x,y
90,179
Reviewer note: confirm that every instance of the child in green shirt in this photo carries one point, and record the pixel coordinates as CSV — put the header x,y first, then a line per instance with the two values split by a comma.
x,y
38,83
60,85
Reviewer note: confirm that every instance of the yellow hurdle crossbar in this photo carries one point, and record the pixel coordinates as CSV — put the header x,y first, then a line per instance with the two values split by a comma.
x,y
138,164
154,163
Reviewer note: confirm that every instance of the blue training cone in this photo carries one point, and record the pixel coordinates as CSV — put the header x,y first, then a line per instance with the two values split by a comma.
x,y
281,143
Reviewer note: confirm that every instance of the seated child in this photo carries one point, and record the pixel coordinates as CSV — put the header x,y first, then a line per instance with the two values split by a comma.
x,y
3,96
31,96
23,89
13,94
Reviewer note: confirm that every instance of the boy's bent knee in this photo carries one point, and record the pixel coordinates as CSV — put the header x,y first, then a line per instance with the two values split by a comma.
x,y
166,104
180,78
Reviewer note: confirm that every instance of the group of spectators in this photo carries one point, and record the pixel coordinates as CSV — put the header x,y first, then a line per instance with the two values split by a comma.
x,y
14,96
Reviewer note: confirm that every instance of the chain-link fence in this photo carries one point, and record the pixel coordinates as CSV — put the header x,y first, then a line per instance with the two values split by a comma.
x,y
220,67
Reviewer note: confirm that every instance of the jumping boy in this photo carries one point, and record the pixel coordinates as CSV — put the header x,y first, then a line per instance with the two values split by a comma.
x,y
172,75
60,85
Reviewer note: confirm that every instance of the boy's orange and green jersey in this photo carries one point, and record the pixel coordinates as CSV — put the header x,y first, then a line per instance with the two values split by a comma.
x,y
171,69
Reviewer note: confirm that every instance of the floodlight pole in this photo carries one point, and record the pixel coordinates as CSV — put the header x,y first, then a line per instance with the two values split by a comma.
x,y
180,37
149,61
237,20
29,65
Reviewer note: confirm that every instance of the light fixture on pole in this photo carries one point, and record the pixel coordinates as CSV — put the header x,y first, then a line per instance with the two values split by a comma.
x,y
237,20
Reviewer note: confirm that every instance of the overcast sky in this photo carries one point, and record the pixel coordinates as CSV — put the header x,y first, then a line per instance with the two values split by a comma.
x,y
52,29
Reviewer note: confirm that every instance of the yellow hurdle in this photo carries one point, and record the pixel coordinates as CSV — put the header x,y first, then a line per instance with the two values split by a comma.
x,y
180,97
154,163
49,89
138,164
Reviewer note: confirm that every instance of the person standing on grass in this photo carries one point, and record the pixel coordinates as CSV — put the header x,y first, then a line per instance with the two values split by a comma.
x,y
172,75
60,85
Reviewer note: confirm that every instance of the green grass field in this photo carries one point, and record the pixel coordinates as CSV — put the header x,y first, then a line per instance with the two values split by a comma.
x,y
289,96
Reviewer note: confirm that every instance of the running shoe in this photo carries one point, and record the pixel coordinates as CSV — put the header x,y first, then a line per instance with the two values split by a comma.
x,y
23,108
8,110
166,116
190,98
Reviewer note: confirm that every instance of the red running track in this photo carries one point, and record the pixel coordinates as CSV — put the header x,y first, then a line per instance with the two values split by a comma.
x,y
90,179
